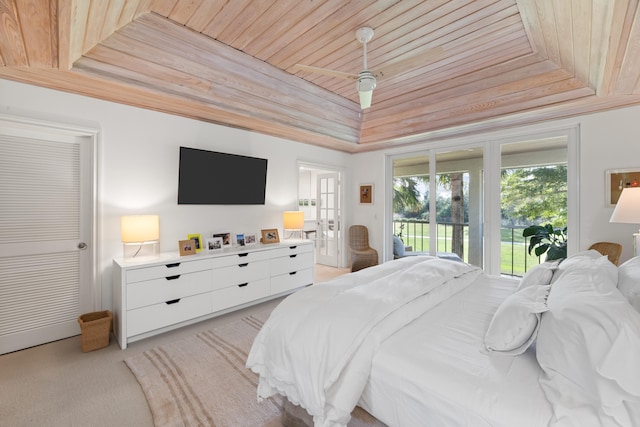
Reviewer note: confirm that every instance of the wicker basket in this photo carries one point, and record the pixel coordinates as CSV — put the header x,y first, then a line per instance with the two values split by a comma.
x,y
95,329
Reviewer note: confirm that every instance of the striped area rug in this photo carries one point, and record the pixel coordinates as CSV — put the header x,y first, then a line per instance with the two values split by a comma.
x,y
202,381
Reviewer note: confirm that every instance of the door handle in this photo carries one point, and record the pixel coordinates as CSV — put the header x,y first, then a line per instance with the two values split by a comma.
x,y
82,246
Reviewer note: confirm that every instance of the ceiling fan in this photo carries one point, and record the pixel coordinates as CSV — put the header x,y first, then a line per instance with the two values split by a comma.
x,y
366,79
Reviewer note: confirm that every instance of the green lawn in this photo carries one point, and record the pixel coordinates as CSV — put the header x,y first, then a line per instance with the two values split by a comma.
x,y
514,258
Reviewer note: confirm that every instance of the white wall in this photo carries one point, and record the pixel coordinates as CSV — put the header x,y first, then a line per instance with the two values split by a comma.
x,y
138,167
608,140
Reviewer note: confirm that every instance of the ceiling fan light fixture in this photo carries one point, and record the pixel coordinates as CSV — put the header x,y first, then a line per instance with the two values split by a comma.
x,y
365,99
364,85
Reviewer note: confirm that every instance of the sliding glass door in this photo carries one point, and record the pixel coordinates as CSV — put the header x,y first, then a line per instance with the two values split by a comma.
x,y
473,202
449,207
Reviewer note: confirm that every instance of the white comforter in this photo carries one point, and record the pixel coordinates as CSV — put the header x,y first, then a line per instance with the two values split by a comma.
x,y
317,346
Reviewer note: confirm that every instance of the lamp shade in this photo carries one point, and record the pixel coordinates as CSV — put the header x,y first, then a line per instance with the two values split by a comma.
x,y
293,220
627,209
365,98
140,228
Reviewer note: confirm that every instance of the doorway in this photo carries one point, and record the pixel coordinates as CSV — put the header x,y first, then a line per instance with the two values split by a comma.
x,y
319,193
47,257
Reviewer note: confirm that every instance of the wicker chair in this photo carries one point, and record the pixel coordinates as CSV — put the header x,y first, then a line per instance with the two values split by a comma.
x,y
362,255
612,250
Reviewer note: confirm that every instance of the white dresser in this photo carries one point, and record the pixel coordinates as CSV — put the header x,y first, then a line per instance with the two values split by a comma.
x,y
157,295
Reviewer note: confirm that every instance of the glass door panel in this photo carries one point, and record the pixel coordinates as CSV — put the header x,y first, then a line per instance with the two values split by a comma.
x,y
533,191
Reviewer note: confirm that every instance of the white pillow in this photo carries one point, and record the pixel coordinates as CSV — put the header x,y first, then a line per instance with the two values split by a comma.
x,y
538,275
587,347
604,272
629,281
514,325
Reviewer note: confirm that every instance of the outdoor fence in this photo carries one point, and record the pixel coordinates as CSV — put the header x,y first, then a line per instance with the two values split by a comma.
x,y
514,257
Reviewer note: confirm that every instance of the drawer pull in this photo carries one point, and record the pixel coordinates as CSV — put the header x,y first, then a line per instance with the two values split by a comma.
x,y
242,285
243,265
177,276
293,256
293,247
175,264
244,254
173,301
292,273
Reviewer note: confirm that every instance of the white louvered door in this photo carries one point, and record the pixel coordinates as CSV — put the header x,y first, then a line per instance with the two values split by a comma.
x,y
46,223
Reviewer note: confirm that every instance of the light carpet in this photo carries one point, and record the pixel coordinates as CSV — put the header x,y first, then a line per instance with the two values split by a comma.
x,y
202,381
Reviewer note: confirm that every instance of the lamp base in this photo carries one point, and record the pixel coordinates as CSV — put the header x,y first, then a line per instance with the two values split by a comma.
x,y
636,243
141,251
293,234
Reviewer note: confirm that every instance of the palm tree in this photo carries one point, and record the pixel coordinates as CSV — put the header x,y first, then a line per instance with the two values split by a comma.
x,y
406,196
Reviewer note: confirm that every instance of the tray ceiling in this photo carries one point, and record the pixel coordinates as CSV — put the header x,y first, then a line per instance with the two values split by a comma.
x,y
469,65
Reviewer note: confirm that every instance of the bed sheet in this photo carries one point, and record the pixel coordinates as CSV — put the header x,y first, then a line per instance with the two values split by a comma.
x,y
436,372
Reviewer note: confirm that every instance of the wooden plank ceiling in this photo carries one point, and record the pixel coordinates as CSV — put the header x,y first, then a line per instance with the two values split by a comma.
x,y
464,65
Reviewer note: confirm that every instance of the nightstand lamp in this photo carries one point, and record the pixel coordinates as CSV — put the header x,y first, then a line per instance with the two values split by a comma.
x,y
294,221
140,235
627,211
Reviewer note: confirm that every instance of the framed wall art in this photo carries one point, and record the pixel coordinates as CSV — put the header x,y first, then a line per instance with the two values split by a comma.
x,y
366,194
618,179
270,235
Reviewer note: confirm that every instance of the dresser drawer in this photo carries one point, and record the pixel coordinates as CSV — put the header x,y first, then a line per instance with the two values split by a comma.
x,y
165,270
140,294
240,294
287,282
292,250
240,273
157,316
239,258
291,263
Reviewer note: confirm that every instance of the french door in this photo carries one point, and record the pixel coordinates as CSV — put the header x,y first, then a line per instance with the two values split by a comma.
x,y
46,229
328,231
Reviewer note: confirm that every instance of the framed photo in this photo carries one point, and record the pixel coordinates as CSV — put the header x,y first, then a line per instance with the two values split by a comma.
x,y
240,239
187,247
250,239
226,238
366,194
618,179
198,239
270,235
214,244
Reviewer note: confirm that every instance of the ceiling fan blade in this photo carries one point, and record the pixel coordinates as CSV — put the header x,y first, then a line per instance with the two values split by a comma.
x,y
408,64
326,72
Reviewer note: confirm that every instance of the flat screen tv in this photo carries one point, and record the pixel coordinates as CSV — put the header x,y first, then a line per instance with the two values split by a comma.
x,y
213,178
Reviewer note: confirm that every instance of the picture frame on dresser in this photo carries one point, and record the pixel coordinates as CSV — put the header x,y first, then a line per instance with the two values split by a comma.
x,y
187,247
240,239
215,244
198,239
226,238
270,235
250,239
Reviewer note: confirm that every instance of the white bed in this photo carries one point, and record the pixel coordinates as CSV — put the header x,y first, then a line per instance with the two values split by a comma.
x,y
421,341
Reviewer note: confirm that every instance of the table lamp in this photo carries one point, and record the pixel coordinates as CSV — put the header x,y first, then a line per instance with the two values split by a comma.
x,y
138,232
294,220
627,211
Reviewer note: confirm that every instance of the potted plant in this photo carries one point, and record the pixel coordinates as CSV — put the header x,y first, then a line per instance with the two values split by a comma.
x,y
546,238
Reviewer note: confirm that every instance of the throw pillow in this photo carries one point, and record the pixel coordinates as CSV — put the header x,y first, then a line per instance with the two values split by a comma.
x,y
398,247
514,325
538,275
